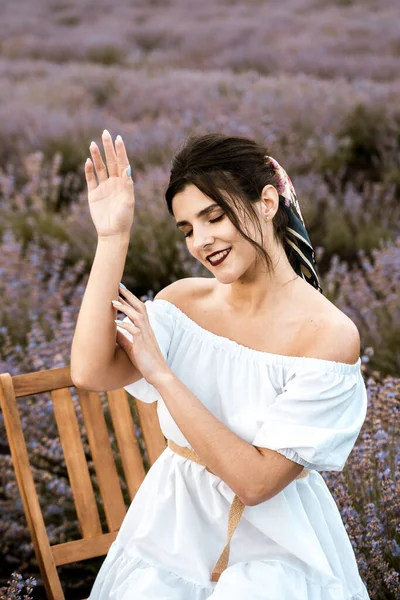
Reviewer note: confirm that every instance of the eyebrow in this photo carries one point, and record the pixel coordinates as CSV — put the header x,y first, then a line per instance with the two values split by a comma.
x,y
202,213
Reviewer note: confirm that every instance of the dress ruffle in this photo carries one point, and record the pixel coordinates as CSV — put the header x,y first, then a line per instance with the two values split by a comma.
x,y
124,577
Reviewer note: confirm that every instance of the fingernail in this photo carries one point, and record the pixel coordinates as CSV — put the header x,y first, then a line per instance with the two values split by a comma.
x,y
93,144
118,321
122,285
118,138
116,303
129,171
106,132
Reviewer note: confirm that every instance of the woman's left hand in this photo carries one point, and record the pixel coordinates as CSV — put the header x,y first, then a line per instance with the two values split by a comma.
x,y
143,350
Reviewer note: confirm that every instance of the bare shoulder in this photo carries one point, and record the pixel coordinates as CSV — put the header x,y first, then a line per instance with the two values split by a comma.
x,y
332,335
342,340
184,291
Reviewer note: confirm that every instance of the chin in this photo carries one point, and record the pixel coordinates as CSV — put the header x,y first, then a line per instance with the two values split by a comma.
x,y
226,278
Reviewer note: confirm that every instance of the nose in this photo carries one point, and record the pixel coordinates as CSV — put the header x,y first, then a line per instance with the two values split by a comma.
x,y
201,246
201,242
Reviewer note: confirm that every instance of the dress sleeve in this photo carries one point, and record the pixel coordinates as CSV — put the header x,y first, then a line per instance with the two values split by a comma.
x,y
316,420
161,321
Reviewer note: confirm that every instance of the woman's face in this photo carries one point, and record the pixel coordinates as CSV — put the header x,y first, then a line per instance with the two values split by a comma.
x,y
213,231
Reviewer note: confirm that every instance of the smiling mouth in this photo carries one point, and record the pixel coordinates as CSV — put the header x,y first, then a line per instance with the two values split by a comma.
x,y
218,262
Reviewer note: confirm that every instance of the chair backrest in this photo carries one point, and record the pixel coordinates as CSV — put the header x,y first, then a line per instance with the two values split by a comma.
x,y
94,542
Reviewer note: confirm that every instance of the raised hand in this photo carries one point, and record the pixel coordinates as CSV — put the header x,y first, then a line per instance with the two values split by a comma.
x,y
111,197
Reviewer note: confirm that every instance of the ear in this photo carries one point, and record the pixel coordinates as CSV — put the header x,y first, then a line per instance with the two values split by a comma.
x,y
269,202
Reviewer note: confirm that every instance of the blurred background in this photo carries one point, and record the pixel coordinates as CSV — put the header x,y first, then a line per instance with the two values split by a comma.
x,y
317,81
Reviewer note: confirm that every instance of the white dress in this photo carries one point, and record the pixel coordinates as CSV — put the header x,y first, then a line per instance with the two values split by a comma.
x,y
291,547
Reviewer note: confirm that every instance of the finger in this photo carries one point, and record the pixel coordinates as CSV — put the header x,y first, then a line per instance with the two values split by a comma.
x,y
120,305
127,326
131,299
122,157
127,177
121,338
124,337
90,176
126,293
111,157
99,165
122,302
135,315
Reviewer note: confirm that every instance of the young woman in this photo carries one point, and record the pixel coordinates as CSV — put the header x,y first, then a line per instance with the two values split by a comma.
x,y
257,378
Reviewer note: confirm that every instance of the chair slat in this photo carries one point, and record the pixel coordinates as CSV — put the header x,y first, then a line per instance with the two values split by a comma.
x,y
29,384
94,542
150,427
127,443
100,447
75,460
26,485
77,550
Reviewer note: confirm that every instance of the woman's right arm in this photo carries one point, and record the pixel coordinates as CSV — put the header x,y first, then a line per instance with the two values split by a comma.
x,y
98,363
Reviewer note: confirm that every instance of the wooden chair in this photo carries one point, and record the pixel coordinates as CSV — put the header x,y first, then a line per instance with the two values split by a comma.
x,y
93,542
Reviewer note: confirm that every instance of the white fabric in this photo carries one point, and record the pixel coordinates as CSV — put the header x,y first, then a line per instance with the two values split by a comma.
x,y
291,547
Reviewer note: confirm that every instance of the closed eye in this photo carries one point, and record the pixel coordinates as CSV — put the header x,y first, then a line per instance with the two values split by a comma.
x,y
211,221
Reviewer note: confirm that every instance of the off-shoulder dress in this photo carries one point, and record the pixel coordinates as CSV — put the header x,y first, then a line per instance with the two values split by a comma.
x,y
292,547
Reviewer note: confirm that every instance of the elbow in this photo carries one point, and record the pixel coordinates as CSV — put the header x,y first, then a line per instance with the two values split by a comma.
x,y
249,501
252,497
258,488
78,381
86,378
76,377
266,492
81,384
257,498
261,490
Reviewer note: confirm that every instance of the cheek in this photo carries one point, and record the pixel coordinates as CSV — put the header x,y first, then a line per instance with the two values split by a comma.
x,y
230,232
245,252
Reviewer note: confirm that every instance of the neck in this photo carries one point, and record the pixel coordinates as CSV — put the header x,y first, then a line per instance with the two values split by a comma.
x,y
258,289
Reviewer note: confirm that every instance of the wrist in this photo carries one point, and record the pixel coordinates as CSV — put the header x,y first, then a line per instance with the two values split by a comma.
x,y
123,238
163,380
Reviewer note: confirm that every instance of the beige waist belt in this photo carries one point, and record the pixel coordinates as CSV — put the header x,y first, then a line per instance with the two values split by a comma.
x,y
235,512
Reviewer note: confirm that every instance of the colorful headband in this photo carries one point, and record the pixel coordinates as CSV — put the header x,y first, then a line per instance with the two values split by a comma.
x,y
298,237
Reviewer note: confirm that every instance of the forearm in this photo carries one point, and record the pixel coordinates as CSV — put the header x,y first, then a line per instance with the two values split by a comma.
x,y
94,342
232,459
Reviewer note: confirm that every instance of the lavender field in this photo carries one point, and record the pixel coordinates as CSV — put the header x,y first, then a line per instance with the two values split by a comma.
x,y
318,81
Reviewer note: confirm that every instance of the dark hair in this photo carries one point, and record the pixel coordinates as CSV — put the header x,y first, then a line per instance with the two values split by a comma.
x,y
232,171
